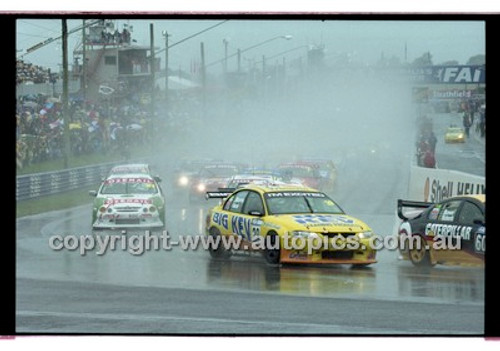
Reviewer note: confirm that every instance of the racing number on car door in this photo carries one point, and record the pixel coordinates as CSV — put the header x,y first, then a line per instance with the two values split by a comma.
x,y
480,241
235,209
472,217
253,209
245,209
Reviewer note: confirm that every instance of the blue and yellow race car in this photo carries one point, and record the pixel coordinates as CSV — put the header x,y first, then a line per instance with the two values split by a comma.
x,y
287,224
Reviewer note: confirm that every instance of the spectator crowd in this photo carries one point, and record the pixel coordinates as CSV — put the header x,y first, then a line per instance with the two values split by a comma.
x,y
111,37
94,128
108,126
30,73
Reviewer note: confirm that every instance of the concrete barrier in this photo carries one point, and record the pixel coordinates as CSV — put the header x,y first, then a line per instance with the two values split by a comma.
x,y
434,185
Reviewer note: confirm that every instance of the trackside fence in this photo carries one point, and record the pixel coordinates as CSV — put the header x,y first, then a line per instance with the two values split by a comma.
x,y
34,185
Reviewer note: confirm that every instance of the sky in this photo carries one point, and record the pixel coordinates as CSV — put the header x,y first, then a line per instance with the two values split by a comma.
x,y
364,40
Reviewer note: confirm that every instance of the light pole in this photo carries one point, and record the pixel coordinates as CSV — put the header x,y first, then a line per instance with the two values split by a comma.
x,y
282,53
84,62
153,76
240,51
66,120
166,35
226,42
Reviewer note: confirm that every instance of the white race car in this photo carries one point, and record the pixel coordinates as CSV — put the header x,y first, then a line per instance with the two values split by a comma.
x,y
128,201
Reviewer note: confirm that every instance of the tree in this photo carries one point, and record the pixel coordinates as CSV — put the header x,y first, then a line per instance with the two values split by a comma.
x,y
450,63
424,60
477,60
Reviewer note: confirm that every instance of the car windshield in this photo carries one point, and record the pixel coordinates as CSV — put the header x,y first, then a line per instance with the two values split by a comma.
x,y
292,202
455,130
117,186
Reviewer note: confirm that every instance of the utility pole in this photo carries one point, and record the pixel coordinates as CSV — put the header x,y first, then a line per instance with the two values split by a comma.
x,y
264,67
239,60
225,56
284,81
152,67
165,33
84,63
66,136
203,80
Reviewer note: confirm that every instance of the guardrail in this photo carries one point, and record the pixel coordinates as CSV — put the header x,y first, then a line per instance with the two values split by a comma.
x,y
48,183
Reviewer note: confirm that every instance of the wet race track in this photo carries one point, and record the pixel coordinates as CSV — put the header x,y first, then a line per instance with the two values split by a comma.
x,y
187,292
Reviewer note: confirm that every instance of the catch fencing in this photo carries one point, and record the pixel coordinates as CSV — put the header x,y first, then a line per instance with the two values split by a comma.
x,y
48,183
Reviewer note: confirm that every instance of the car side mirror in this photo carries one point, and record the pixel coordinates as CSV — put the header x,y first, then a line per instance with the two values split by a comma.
x,y
255,213
157,178
93,193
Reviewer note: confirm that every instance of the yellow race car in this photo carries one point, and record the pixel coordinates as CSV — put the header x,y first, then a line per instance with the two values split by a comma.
x,y
454,135
287,224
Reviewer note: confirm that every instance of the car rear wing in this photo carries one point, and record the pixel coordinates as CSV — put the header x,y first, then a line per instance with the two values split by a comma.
x,y
222,193
411,204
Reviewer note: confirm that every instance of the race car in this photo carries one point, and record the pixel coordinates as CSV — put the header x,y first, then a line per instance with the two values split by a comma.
x,y
131,200
454,135
288,224
211,177
452,231
274,176
239,180
326,171
186,170
242,181
305,172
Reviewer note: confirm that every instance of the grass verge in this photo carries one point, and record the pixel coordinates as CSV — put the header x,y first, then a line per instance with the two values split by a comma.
x,y
54,202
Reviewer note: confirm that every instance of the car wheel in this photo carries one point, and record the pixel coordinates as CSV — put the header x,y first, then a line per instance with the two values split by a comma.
x,y
419,254
217,251
272,251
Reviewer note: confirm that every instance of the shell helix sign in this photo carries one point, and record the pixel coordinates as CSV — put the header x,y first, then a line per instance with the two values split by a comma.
x,y
434,185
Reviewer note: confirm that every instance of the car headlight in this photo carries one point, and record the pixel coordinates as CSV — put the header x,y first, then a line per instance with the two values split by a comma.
x,y
201,187
183,181
303,234
460,136
365,235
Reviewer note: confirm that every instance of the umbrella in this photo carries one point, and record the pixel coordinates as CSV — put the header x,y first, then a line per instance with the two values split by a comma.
x,y
75,126
134,126
30,104
55,124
